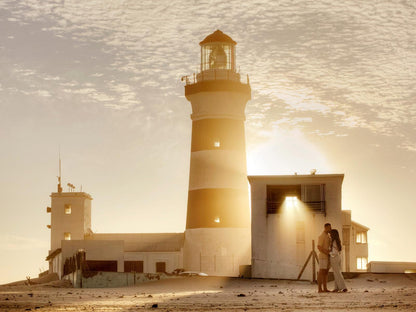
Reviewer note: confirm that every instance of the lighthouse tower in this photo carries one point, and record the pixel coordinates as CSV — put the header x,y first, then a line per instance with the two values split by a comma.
x,y
217,236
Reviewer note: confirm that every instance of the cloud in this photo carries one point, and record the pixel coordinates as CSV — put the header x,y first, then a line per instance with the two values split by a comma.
x,y
43,93
353,64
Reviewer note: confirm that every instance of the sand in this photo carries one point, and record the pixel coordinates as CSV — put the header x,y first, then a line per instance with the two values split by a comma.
x,y
367,292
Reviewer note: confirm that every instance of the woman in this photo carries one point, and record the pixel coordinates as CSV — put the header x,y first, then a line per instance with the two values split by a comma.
x,y
335,259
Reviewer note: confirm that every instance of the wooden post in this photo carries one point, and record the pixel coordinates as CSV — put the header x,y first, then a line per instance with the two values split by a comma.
x,y
304,266
313,263
314,257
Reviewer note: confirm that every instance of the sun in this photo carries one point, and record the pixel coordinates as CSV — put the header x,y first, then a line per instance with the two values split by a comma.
x,y
285,152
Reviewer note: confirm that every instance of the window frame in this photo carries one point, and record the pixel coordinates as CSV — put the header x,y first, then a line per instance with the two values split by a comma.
x,y
360,263
276,195
361,237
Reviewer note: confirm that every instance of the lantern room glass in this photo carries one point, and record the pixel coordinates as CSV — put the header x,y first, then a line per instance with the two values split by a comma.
x,y
218,55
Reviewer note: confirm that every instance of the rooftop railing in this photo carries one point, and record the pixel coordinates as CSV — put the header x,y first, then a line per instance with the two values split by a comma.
x,y
215,74
315,206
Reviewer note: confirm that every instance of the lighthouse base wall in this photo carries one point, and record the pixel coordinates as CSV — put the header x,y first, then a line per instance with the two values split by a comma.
x,y
217,251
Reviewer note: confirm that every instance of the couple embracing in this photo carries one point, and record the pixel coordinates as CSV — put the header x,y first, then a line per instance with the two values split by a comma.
x,y
329,246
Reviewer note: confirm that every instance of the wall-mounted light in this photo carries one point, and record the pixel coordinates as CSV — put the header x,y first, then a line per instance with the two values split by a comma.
x,y
291,201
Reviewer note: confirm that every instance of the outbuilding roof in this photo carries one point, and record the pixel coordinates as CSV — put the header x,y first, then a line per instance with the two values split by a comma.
x,y
146,242
363,227
53,254
217,36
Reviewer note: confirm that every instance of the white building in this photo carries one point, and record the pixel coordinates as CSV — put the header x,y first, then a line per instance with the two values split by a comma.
x,y
71,232
288,213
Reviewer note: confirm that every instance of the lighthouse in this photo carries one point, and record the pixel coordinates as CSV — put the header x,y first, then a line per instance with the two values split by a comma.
x,y
217,236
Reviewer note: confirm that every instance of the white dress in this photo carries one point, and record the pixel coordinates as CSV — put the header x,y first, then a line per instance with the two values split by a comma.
x,y
335,258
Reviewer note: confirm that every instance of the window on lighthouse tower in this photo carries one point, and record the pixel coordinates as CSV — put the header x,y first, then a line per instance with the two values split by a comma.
x,y
67,209
217,55
67,236
217,58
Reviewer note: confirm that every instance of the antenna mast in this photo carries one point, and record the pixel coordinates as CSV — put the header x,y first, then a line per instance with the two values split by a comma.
x,y
59,177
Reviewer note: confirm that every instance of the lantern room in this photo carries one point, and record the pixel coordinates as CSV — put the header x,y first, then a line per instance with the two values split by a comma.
x,y
217,52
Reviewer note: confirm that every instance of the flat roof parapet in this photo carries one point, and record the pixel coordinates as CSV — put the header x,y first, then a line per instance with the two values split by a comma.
x,y
71,194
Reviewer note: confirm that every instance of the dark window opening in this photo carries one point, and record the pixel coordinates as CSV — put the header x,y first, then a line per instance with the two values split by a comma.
x,y
276,195
133,266
312,195
160,267
101,265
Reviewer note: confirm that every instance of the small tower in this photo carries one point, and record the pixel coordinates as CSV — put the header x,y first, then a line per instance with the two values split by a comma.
x,y
217,237
70,215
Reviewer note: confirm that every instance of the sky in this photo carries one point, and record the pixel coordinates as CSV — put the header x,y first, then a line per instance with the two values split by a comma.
x,y
333,89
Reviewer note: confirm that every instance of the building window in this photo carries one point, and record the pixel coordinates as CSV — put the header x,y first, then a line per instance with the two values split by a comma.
x,y
361,238
133,266
362,263
313,196
102,265
160,267
67,236
67,209
217,144
276,196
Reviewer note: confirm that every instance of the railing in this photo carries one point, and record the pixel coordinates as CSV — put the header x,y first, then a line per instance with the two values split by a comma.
x,y
317,206
214,74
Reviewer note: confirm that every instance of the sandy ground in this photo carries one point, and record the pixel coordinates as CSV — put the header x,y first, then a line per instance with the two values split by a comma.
x,y
369,292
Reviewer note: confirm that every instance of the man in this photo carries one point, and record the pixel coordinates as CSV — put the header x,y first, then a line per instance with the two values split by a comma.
x,y
323,247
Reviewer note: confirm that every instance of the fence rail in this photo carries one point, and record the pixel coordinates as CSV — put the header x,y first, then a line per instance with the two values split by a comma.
x,y
315,206
215,74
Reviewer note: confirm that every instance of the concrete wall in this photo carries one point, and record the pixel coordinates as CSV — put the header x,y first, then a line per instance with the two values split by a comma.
x,y
111,279
113,250
218,251
391,267
352,249
56,265
357,249
282,242
173,260
96,250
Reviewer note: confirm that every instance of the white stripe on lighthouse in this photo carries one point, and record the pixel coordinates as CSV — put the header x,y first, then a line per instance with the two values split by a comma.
x,y
217,169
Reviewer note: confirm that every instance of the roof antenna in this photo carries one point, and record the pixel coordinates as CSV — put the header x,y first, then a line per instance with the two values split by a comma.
x,y
59,177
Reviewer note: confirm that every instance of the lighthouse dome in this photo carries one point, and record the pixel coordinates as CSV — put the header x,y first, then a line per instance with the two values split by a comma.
x,y
218,36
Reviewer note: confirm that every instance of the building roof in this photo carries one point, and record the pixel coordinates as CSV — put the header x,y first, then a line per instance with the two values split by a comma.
x,y
282,178
359,225
53,254
287,176
217,36
71,194
145,242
